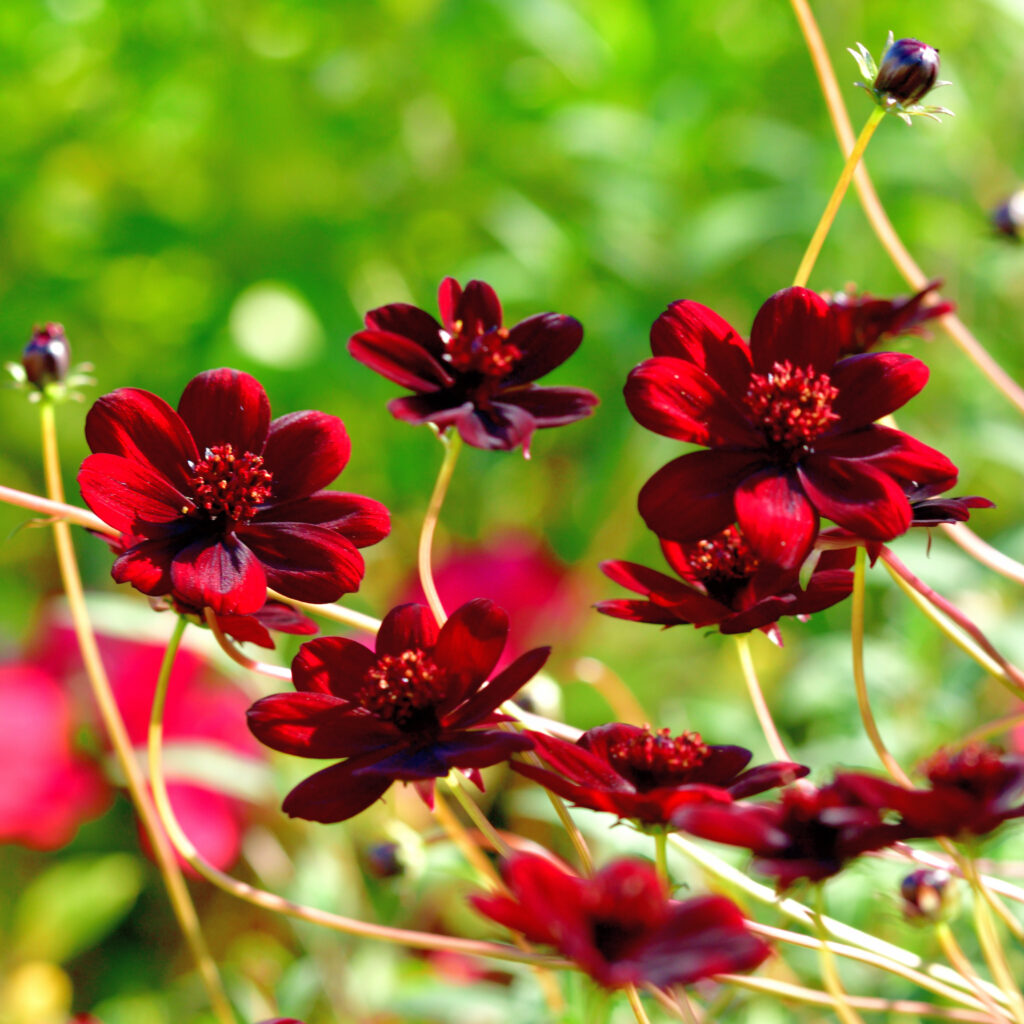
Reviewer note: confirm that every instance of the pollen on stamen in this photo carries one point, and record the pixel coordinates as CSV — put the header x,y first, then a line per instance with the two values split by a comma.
x,y
793,405
652,758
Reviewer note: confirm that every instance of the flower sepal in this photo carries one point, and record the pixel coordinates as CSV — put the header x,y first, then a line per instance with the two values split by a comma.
x,y
907,73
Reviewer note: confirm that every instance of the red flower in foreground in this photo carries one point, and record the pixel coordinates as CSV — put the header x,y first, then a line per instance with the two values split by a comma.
x,y
863,321
470,372
218,502
412,711
646,776
620,926
790,430
724,584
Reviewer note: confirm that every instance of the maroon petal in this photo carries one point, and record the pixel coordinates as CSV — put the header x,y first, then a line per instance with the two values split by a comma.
x,y
410,322
469,645
639,611
449,295
334,793
498,428
777,520
305,562
766,776
215,573
687,330
692,497
482,748
552,407
795,325
332,665
405,628
226,407
305,451
872,386
400,360
642,580
545,341
147,565
128,495
144,428
745,825
587,766
317,725
855,495
478,308
501,688
443,409
678,399
362,520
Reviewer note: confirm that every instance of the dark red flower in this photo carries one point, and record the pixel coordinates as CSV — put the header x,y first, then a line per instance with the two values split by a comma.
x,y
790,431
725,584
620,926
646,776
810,833
219,502
863,321
972,792
470,372
928,509
412,711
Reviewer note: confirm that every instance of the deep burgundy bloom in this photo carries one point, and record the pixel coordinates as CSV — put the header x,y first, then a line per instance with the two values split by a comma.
x,y
725,584
646,776
810,833
412,711
469,371
972,791
620,926
863,321
790,430
219,502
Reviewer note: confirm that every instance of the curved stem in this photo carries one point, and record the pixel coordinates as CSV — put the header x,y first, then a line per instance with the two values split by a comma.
x,y
833,985
636,1006
832,208
459,790
859,680
333,612
963,536
453,445
113,723
957,958
465,843
994,728
53,509
225,644
764,716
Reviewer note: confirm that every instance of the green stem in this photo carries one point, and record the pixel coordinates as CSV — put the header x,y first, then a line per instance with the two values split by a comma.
x,y
55,509
453,445
333,612
764,716
661,858
833,985
636,1006
818,238
459,790
958,959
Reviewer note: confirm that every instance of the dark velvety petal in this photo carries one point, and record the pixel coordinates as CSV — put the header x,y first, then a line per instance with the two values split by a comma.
x,y
332,664
144,428
855,495
501,688
872,386
443,409
744,825
545,341
552,407
306,562
246,629
334,794
795,324
587,761
128,495
362,520
639,611
410,322
911,461
692,497
678,399
766,776
722,764
409,764
317,725
227,577
776,518
147,565
478,308
482,748
284,619
449,295
400,360
305,451
499,428
407,627
688,330
226,407
642,580
469,645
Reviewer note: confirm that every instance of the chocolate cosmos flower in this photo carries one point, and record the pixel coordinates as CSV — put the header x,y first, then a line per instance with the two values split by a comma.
x,y
620,926
412,711
470,372
217,502
646,776
790,430
724,584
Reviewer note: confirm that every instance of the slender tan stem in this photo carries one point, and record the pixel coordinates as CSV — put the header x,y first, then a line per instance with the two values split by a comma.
x,y
56,510
958,960
333,612
764,716
803,272
170,872
983,552
860,681
951,862
829,972
616,694
453,445
465,842
636,1006
459,790
225,644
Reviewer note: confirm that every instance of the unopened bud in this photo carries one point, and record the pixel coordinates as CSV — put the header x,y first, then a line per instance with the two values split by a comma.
x,y
384,860
909,69
926,894
1008,216
47,357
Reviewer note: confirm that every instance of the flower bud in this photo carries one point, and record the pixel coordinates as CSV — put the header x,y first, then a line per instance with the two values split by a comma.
x,y
47,357
384,860
1008,216
909,69
926,894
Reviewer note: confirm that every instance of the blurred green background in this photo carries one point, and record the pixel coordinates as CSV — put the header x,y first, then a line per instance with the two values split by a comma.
x,y
189,184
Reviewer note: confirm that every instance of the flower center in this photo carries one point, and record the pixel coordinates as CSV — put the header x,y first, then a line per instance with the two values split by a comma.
x,y
649,759
487,352
405,689
976,769
721,562
230,485
793,405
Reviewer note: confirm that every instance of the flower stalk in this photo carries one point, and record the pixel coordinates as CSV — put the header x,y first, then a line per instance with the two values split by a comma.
x,y
452,446
764,715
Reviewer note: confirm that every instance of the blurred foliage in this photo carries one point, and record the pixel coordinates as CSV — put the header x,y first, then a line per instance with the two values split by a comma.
x,y
186,185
